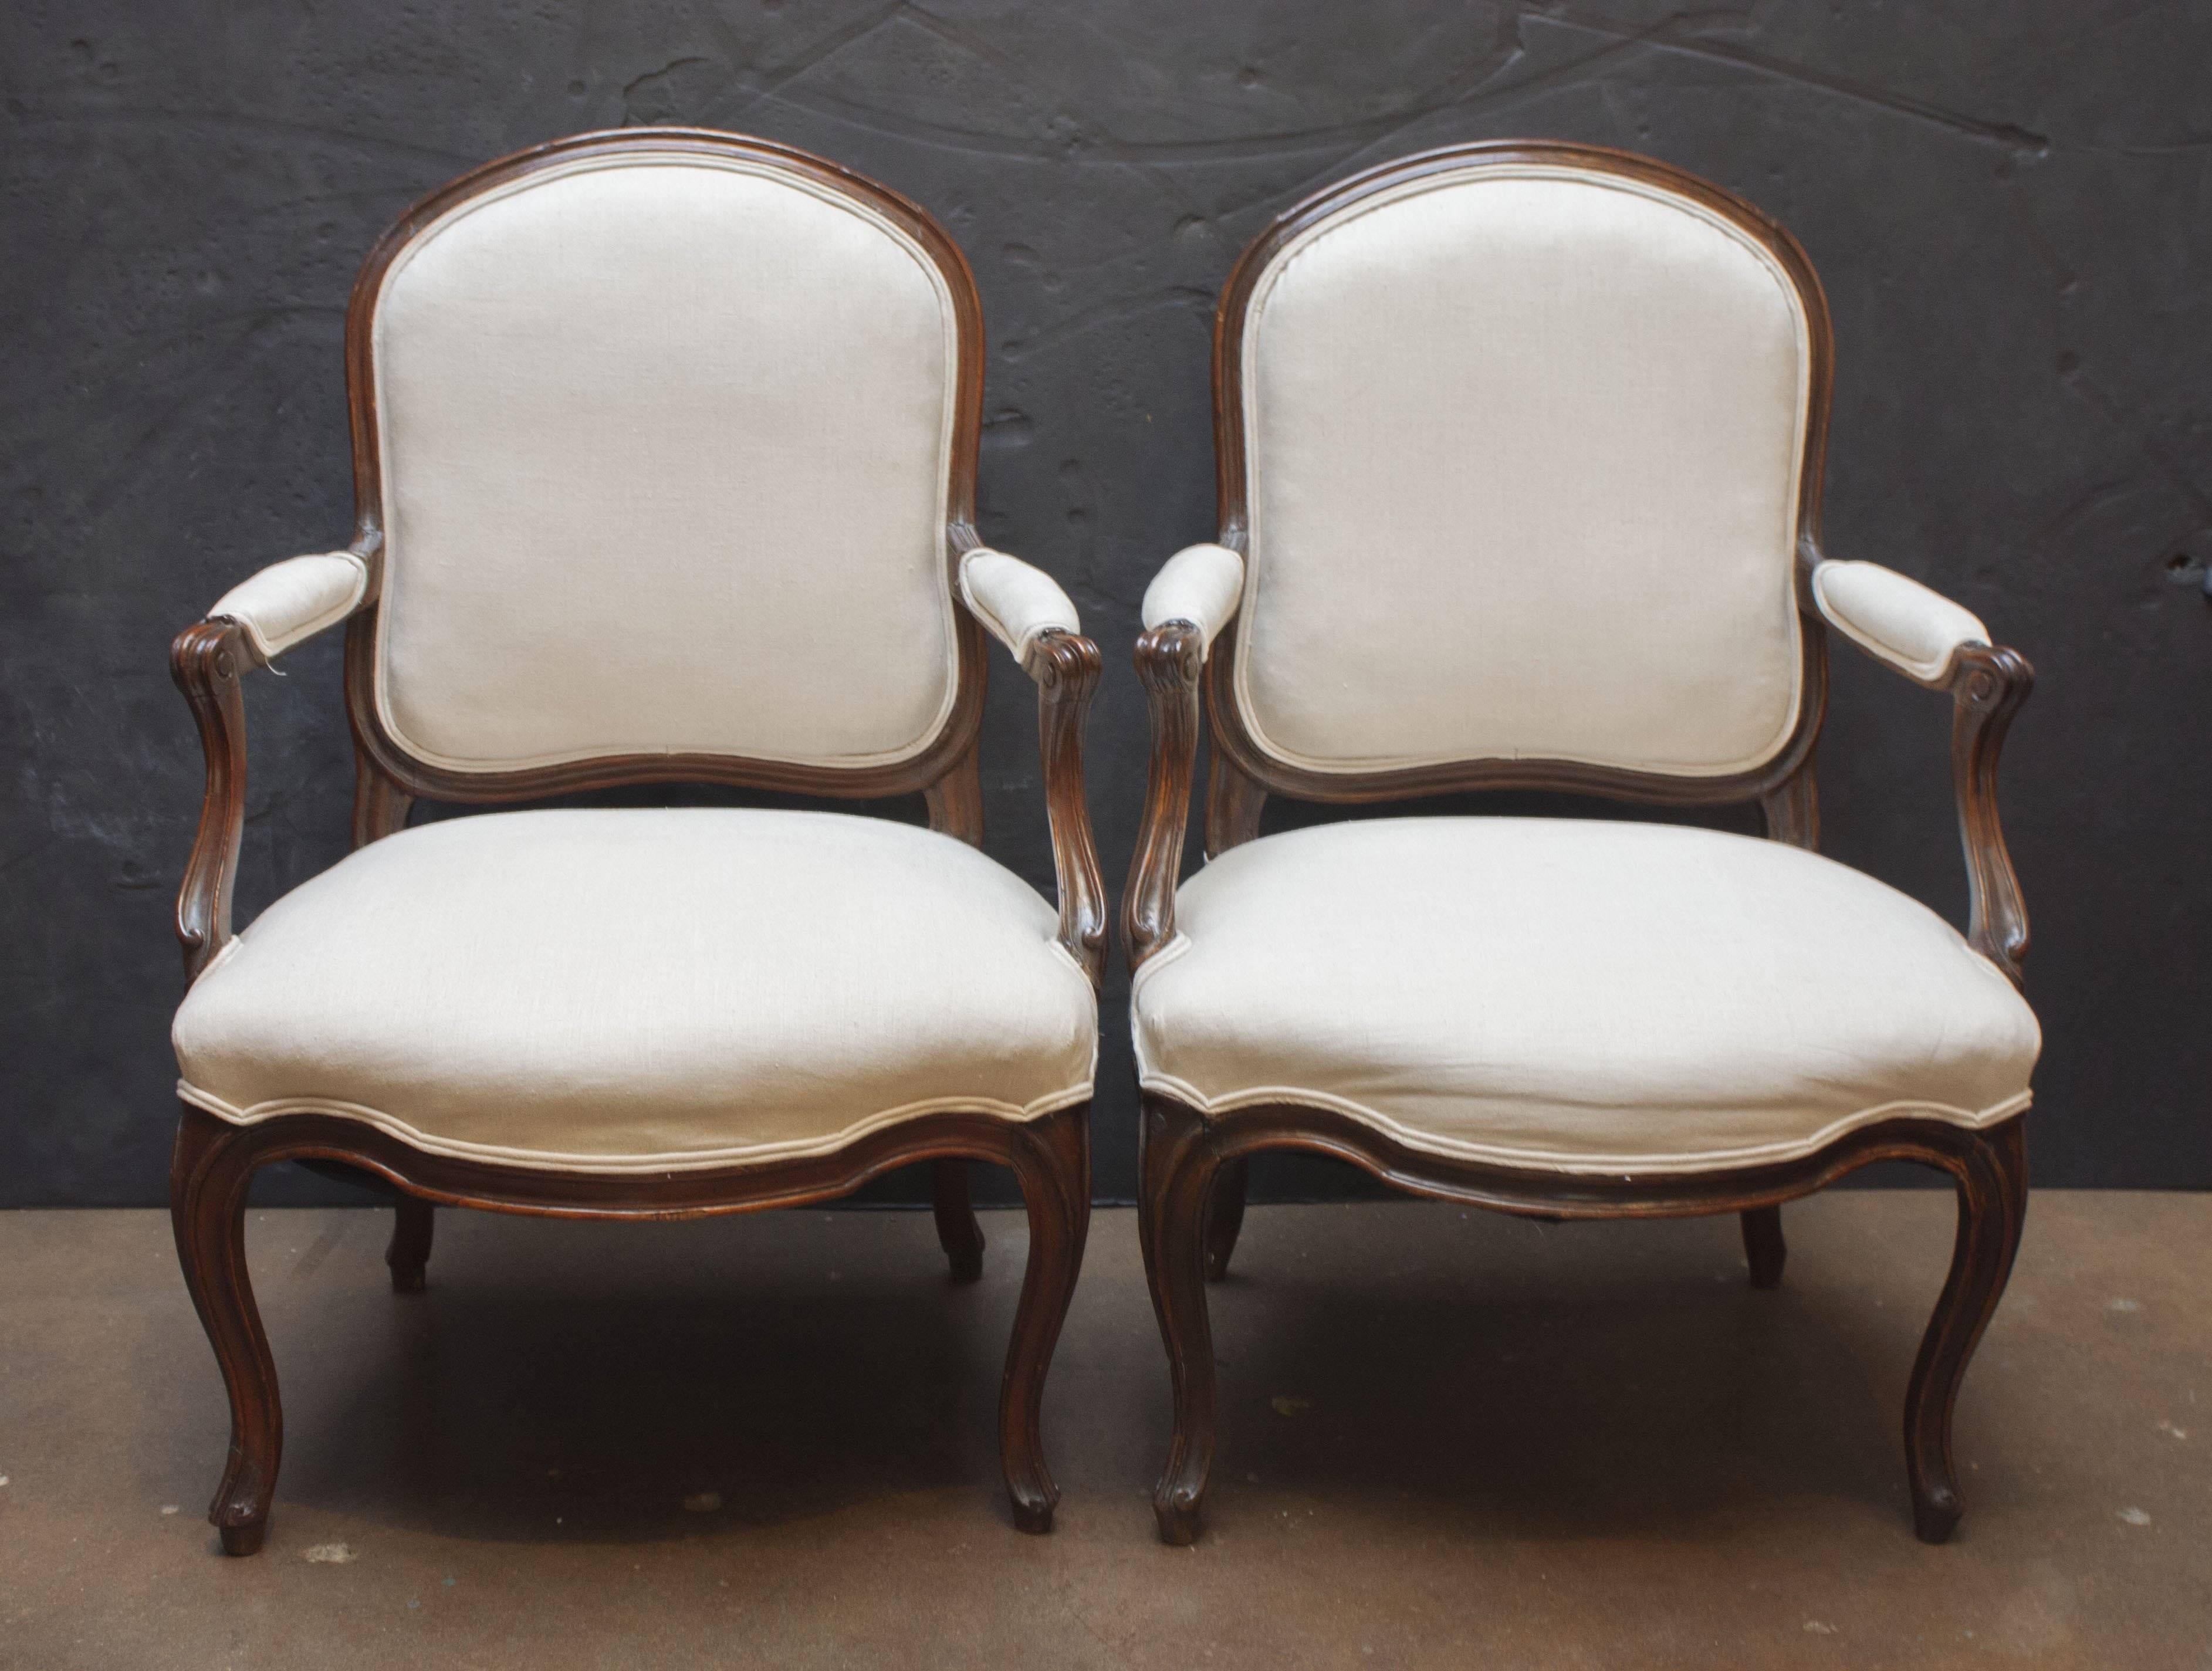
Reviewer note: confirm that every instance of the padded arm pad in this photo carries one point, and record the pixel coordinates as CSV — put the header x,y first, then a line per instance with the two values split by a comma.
x,y
1014,600
1200,584
294,599
1895,619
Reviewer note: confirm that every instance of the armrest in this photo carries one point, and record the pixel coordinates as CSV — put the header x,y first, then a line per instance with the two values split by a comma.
x,y
249,626
1200,584
1169,657
1016,602
1933,642
294,599
1024,608
1896,619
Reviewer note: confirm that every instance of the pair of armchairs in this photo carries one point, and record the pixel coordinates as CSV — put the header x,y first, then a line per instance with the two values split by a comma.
x,y
665,454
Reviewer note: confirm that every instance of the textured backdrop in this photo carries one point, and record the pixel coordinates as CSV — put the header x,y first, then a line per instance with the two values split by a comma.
x,y
2010,203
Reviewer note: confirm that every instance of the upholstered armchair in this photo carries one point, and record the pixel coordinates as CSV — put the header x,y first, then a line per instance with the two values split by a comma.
x,y
1518,454
665,461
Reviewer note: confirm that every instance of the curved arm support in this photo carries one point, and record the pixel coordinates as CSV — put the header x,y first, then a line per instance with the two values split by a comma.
x,y
1169,657
1066,667
1988,685
207,660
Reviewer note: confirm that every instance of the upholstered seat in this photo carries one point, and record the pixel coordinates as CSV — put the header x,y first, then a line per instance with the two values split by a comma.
x,y
616,991
1580,995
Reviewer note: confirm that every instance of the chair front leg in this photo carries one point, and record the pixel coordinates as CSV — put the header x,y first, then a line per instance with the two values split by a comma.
x,y
1991,1176
209,1171
958,1232
408,1252
1177,1172
1051,1159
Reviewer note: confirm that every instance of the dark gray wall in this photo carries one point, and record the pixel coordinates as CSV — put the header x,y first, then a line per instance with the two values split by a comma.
x,y
2011,205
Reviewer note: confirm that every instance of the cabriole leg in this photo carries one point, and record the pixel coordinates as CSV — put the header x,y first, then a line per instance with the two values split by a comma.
x,y
212,1167
1177,1173
409,1251
1764,1249
958,1232
1992,1185
1051,1157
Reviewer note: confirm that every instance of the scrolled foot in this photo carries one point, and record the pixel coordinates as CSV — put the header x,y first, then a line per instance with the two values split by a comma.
x,y
1178,1515
1936,1514
1033,1513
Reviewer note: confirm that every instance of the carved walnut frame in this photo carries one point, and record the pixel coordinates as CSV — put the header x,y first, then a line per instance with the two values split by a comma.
x,y
1050,1155
1194,1166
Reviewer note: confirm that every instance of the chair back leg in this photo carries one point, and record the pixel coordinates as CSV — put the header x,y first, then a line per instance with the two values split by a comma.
x,y
408,1252
1224,1218
958,1232
1764,1249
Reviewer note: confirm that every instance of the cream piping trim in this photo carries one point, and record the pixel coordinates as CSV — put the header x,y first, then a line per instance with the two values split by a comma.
x,y
934,729
1620,1166
1786,542
687,1160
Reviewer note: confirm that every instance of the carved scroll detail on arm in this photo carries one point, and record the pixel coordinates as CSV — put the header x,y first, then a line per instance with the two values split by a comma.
x,y
1066,667
1168,661
1988,685
207,660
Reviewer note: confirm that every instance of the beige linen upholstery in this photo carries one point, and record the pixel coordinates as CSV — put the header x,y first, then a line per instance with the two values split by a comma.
x,y
1582,995
665,445
1014,600
1524,446
1200,584
644,990
1895,618
294,599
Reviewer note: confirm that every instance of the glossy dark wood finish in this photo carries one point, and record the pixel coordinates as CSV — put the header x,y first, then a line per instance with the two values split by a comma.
x,y
214,1162
1050,1155
1193,1171
1066,667
1988,685
207,661
1168,661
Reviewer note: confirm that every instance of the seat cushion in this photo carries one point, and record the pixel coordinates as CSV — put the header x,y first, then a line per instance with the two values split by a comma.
x,y
612,991
1574,995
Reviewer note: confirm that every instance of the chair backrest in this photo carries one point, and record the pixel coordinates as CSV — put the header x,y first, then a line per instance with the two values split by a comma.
x,y
670,440
1522,443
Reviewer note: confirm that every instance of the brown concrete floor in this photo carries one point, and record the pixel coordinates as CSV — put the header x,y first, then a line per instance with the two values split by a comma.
x,y
1450,1438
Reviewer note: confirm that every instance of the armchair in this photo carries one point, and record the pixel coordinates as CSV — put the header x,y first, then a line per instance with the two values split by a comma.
x,y
664,456
1518,451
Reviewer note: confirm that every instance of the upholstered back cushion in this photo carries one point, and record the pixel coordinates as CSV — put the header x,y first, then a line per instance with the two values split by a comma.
x,y
1522,447
664,452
